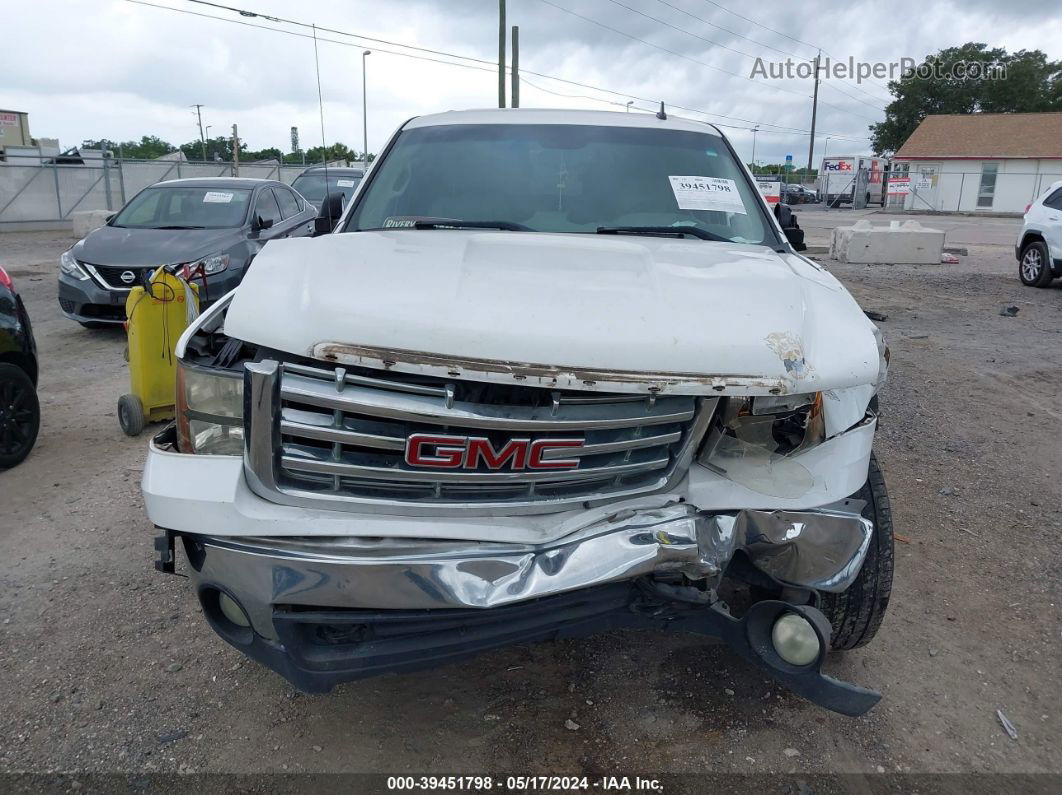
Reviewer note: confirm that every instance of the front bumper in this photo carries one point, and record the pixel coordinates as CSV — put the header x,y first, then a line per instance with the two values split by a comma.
x,y
326,611
85,301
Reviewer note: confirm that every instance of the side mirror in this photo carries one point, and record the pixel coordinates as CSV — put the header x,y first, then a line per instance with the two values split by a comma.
x,y
328,215
261,223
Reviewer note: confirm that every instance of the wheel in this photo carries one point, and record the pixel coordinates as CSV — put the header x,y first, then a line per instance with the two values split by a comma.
x,y
856,613
20,415
1035,267
131,415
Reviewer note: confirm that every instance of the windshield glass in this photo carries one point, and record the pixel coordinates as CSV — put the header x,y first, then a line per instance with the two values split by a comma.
x,y
563,178
312,186
185,207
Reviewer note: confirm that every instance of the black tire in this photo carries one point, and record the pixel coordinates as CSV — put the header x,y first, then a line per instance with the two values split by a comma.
x,y
131,415
20,415
1034,267
856,613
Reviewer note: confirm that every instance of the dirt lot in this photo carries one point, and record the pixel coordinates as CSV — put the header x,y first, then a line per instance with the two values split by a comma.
x,y
107,666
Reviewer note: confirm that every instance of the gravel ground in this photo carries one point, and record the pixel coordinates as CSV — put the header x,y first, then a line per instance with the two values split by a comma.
x,y
106,666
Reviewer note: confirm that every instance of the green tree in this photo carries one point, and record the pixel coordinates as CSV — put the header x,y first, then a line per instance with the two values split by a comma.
x,y
1032,84
147,148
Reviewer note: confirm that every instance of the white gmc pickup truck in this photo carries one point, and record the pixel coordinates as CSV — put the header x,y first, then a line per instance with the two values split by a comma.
x,y
552,373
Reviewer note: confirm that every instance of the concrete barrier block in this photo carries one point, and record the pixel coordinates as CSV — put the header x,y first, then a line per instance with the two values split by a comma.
x,y
900,243
87,220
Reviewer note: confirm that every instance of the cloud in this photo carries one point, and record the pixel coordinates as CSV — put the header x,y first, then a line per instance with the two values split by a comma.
x,y
89,69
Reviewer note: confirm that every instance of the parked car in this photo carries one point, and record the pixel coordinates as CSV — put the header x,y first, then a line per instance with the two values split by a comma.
x,y
20,412
316,182
521,393
794,194
214,226
1039,244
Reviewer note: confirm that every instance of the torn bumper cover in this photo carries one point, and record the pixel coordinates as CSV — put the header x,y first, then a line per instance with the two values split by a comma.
x,y
325,611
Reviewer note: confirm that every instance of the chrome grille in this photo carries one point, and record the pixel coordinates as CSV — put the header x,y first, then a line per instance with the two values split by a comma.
x,y
317,436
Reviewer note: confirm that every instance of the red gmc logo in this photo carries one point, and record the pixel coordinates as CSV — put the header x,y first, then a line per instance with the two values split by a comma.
x,y
469,452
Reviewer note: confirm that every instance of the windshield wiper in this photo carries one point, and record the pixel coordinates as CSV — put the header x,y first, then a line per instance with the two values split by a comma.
x,y
662,231
177,227
507,226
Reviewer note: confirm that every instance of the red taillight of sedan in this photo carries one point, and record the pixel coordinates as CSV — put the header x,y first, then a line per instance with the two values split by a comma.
x,y
5,280
1027,206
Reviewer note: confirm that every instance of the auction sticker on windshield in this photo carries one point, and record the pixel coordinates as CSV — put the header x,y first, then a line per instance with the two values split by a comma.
x,y
344,183
217,197
707,193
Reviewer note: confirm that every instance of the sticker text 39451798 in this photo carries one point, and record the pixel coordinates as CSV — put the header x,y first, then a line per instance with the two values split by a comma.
x,y
707,193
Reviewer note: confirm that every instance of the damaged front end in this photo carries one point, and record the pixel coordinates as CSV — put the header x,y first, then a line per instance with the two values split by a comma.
x,y
329,610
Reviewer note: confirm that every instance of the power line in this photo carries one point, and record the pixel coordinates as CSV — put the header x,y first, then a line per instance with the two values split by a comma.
x,y
761,44
780,33
490,66
687,57
719,44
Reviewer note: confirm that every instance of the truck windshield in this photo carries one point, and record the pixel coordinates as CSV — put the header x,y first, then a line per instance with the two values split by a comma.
x,y
563,178
185,208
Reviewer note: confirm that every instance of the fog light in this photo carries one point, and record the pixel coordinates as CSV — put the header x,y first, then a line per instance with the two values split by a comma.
x,y
795,640
234,613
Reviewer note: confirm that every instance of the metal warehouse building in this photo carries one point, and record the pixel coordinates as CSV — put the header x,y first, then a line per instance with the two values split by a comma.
x,y
977,162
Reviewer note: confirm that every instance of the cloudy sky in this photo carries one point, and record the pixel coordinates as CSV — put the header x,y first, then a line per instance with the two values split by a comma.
x,y
121,69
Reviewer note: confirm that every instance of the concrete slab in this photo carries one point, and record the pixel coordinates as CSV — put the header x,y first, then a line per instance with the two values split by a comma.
x,y
908,243
84,221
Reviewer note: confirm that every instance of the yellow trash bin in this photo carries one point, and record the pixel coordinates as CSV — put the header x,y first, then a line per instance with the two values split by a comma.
x,y
156,316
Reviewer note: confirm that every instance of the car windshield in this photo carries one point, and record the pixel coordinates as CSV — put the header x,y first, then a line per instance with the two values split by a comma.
x,y
185,208
312,186
563,178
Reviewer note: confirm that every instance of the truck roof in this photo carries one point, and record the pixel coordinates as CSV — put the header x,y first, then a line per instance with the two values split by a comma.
x,y
595,118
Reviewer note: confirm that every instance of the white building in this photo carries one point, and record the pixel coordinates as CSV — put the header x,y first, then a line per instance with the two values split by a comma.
x,y
977,162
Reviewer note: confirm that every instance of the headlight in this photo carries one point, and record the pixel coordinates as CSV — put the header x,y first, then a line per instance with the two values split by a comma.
x,y
758,440
71,267
207,266
209,411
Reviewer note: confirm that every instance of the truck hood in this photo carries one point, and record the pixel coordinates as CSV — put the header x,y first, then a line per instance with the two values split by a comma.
x,y
610,313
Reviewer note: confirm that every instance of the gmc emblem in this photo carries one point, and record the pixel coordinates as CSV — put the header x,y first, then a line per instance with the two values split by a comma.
x,y
468,452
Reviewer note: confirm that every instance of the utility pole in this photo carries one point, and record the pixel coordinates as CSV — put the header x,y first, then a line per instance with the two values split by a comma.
x,y
202,139
501,53
814,111
235,152
365,110
515,92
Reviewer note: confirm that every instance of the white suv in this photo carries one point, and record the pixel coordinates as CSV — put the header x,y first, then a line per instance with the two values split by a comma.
x,y
1039,246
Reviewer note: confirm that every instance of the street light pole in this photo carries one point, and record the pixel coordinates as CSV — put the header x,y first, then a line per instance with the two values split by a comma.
x,y
755,130
365,110
199,116
629,103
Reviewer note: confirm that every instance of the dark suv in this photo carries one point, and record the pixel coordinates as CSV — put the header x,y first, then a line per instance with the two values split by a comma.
x,y
20,413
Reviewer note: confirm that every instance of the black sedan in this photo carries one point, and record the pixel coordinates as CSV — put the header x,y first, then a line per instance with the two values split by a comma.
x,y
20,413
214,227
316,182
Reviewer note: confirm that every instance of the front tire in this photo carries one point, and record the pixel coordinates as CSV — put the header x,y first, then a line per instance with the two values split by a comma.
x,y
1034,270
856,613
20,415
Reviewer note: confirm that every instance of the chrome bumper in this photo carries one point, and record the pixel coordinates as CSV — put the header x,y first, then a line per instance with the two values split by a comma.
x,y
820,549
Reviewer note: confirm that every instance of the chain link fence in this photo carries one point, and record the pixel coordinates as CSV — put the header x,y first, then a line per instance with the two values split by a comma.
x,y
35,192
